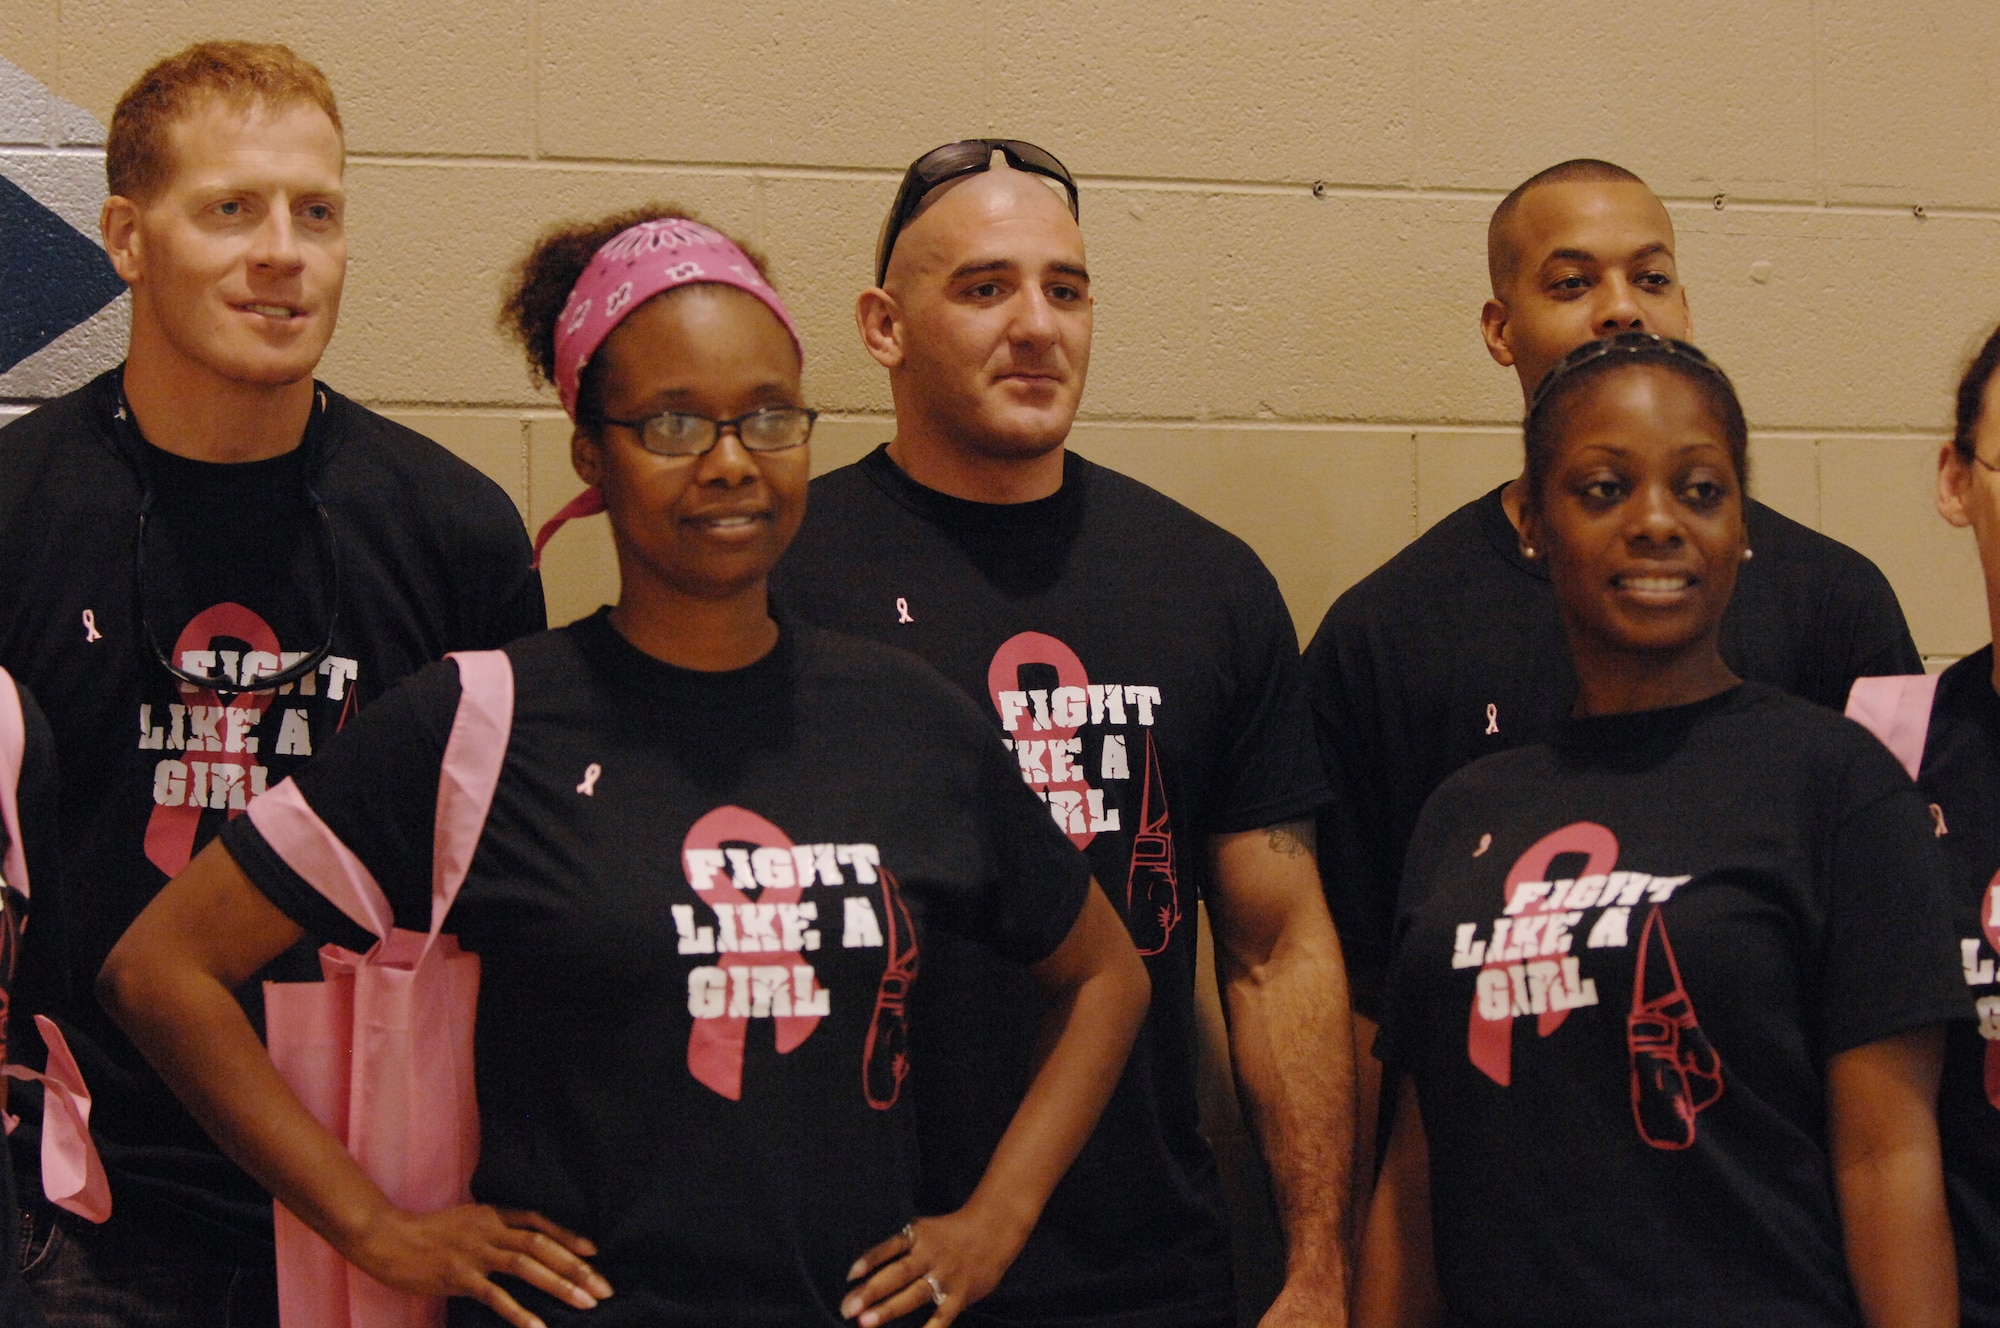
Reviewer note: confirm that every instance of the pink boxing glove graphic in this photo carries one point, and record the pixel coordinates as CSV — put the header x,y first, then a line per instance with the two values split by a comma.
x,y
1675,1071
1152,886
885,1057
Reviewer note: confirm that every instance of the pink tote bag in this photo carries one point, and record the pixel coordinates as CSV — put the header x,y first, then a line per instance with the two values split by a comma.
x,y
380,1052
72,1175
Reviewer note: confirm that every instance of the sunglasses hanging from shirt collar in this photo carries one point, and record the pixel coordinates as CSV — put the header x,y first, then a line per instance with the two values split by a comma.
x,y
222,685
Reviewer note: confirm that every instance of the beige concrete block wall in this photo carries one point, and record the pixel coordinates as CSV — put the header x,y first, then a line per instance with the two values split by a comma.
x,y
1301,365
1305,369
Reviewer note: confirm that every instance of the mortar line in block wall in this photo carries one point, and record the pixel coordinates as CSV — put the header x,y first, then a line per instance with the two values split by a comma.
x,y
528,415
1147,184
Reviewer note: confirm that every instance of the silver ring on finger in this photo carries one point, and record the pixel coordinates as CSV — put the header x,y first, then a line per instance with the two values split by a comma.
x,y
937,1292
909,1232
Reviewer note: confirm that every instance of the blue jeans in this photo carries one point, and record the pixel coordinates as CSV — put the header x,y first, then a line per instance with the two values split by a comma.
x,y
121,1275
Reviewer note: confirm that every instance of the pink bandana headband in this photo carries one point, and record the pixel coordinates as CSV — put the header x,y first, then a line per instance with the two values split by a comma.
x,y
635,265
627,270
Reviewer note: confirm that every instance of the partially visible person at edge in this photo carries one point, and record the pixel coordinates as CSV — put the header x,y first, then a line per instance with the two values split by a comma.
x,y
1669,989
1143,668
1454,648
209,562
761,1177
24,859
1959,776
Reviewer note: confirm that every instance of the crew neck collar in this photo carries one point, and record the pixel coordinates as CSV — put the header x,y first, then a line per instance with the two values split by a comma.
x,y
1639,728
965,514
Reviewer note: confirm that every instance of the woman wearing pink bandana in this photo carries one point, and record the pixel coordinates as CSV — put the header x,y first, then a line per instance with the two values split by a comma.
x,y
717,843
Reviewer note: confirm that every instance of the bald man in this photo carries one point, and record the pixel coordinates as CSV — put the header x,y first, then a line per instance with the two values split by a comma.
x,y
1454,648
1141,665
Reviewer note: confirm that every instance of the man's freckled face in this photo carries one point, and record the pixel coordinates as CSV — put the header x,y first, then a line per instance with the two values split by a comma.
x,y
1593,258
242,253
997,310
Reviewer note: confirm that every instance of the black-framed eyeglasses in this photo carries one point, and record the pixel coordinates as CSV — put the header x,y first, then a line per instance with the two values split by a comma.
x,y
967,157
1987,464
329,548
678,433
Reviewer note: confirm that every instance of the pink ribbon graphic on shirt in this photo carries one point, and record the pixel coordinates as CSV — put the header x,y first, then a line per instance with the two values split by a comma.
x,y
170,831
715,1046
1989,922
1039,735
1490,1042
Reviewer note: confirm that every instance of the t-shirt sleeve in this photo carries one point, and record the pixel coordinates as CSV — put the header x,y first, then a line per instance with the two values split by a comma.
x,y
374,788
1039,880
1354,854
509,603
1890,963
1878,642
1269,771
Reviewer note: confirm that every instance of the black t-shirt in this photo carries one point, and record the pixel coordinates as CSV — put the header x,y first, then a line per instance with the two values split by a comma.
x,y
1454,650
730,1131
431,557
1960,777
1141,665
1622,963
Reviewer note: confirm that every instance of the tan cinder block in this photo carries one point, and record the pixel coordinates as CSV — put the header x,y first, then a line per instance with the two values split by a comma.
x,y
1859,322
1301,90
496,443
431,248
1879,495
836,443
1710,96
1910,104
1322,508
30,37
1154,352
1456,467
1360,309
819,234
434,79
1784,473
579,567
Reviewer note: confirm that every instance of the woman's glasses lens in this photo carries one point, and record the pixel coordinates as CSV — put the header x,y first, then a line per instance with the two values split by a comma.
x,y
674,433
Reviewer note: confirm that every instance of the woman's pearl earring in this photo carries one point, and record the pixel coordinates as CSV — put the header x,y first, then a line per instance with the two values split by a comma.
x,y
1748,554
1528,552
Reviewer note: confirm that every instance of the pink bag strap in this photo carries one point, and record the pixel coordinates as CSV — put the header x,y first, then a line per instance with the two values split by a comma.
x,y
472,759
473,755
13,745
72,1175
1898,711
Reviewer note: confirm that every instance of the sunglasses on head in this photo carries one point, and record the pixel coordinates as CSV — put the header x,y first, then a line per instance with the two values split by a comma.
x,y
968,157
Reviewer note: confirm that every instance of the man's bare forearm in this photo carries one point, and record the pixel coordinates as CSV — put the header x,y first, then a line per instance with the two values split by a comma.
x,y
1285,993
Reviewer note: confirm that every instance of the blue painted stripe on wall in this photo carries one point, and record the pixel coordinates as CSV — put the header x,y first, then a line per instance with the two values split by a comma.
x,y
51,276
